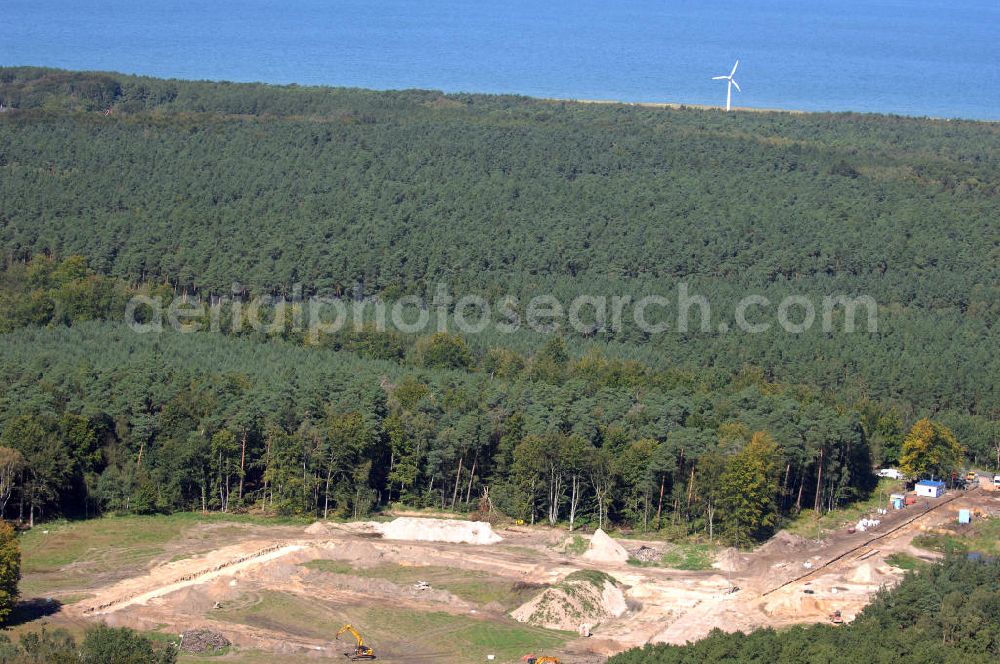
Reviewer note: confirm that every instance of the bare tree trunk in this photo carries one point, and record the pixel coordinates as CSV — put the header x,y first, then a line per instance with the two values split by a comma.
x,y
645,512
326,495
817,504
458,481
555,491
659,505
392,465
574,497
784,486
710,513
243,457
690,492
472,476
533,507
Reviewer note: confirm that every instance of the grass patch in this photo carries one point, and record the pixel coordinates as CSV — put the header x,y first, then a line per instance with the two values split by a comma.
x,y
473,586
73,598
244,657
281,612
62,554
947,544
806,524
689,556
331,566
525,551
982,536
594,577
905,561
577,545
467,639
162,637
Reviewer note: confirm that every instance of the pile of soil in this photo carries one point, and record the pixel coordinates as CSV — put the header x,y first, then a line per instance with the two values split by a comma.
x,y
869,574
318,528
730,560
603,549
784,543
203,641
582,598
440,530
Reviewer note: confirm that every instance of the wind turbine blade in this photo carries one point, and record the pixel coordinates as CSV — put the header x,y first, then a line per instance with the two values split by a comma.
x,y
736,84
719,78
734,68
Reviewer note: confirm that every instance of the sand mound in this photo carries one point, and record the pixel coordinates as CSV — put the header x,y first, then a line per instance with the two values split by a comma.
x,y
603,549
785,542
730,560
799,606
440,530
318,528
582,598
869,574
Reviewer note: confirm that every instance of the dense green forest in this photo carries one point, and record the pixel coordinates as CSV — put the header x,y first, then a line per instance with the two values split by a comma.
x,y
101,419
203,185
112,186
942,614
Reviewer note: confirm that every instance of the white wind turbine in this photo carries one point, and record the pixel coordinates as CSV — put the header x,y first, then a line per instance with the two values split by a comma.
x,y
729,87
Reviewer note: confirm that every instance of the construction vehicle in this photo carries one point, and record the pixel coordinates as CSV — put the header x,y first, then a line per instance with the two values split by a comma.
x,y
361,651
533,659
836,618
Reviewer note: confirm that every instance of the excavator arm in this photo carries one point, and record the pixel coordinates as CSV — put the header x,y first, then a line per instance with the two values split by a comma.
x,y
361,651
348,628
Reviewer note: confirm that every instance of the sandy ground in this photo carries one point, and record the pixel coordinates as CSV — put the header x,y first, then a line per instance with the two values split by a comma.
x,y
788,580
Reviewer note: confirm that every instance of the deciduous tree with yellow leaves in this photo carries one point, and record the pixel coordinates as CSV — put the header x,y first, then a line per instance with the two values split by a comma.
x,y
930,449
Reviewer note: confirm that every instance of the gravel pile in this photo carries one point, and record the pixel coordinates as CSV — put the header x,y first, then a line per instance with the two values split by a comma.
x,y
202,641
647,554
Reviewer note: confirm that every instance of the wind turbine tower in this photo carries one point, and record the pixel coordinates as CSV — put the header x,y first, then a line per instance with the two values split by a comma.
x,y
729,86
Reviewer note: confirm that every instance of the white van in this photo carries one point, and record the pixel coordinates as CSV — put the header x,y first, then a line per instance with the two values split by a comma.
x,y
891,473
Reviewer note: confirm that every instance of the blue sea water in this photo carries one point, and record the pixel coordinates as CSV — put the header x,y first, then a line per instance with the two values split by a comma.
x,y
914,57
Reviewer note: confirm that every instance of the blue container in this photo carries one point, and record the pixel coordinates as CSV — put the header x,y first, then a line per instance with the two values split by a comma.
x,y
897,503
964,516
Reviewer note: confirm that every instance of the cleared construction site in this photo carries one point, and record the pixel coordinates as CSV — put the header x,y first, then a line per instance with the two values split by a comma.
x,y
430,589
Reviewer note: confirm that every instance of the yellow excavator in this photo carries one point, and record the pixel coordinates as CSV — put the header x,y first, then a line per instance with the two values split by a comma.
x,y
534,659
361,651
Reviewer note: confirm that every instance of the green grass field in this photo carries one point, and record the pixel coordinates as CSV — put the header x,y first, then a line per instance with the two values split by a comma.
x,y
59,558
473,586
396,631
